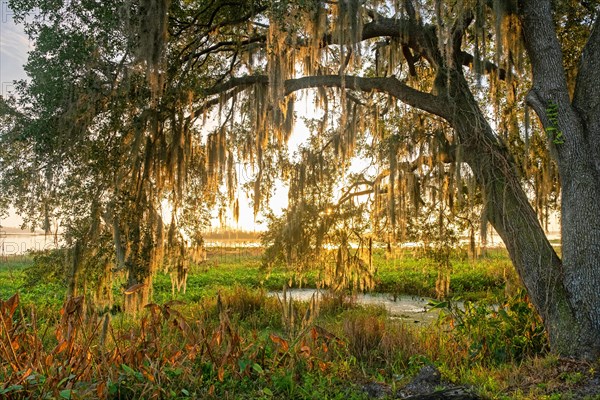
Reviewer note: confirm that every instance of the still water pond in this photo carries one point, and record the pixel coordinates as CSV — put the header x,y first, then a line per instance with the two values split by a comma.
x,y
412,309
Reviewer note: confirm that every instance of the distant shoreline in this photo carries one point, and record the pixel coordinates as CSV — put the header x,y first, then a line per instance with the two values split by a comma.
x,y
210,235
9,230
7,234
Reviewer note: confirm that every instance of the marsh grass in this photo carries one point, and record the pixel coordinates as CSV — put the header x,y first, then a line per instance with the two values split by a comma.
x,y
405,273
408,273
228,338
168,351
236,345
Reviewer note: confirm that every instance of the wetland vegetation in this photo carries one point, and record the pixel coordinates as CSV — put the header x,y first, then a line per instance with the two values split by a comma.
x,y
226,337
373,124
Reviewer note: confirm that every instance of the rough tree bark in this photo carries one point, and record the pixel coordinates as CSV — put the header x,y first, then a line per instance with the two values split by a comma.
x,y
578,156
513,218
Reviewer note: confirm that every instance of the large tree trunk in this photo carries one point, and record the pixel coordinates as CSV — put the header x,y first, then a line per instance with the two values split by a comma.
x,y
578,155
512,216
581,252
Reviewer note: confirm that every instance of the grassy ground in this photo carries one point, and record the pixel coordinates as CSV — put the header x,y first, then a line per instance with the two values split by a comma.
x,y
225,338
406,273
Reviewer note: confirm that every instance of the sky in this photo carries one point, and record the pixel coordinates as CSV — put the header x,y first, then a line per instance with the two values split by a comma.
x,y
14,45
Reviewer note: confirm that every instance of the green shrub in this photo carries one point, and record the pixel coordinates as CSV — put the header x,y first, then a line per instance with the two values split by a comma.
x,y
494,334
48,267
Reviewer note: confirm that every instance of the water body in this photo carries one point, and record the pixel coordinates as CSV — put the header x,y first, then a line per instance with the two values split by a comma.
x,y
14,244
19,244
410,309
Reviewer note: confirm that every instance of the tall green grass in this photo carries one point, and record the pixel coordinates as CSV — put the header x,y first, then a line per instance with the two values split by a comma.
x,y
484,278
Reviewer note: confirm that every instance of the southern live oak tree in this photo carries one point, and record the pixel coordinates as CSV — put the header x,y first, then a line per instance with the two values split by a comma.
x,y
142,77
327,45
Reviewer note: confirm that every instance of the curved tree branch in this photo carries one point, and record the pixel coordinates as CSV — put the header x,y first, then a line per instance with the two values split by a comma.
x,y
488,67
227,45
389,85
248,80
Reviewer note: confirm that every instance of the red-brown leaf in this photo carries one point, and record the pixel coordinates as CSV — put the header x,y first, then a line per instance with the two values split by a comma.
x,y
11,304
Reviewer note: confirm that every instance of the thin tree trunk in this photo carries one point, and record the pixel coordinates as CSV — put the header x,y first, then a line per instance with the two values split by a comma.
x,y
74,270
